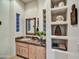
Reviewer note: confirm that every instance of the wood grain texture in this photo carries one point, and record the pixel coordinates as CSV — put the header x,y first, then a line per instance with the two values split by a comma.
x,y
40,53
32,52
22,49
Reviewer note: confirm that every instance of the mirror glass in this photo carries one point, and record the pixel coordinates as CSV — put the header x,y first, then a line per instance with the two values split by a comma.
x,y
31,26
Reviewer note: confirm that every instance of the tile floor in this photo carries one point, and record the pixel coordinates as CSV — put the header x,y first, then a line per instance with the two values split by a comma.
x,y
16,57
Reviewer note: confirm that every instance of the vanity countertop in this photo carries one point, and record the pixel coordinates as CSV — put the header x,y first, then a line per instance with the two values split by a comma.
x,y
31,41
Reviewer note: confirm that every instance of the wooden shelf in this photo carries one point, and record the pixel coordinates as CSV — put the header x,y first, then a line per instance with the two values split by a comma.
x,y
59,9
60,37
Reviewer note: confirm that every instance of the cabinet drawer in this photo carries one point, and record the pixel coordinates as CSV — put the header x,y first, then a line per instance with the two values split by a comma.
x,y
21,44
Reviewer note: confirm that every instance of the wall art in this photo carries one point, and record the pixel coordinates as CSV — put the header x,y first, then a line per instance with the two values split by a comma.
x,y
74,19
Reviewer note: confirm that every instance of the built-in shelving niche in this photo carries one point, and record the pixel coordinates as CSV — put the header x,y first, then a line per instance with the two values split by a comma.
x,y
59,30
61,13
59,44
57,3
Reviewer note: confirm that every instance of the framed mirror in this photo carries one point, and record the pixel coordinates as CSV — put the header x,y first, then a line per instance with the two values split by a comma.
x,y
30,26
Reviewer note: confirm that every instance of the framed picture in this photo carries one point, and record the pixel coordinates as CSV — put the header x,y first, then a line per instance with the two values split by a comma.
x,y
74,15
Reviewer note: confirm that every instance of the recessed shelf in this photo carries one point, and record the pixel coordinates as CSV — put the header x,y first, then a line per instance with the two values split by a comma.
x,y
57,3
59,30
59,44
59,22
59,9
60,51
59,37
59,14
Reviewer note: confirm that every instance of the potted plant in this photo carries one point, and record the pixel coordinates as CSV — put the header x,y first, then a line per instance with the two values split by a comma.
x,y
40,35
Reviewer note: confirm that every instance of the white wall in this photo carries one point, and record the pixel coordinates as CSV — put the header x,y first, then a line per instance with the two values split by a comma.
x,y
73,34
35,9
41,6
12,28
31,11
8,10
20,9
5,41
16,6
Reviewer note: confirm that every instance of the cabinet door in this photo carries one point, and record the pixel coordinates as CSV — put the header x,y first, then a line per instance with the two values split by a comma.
x,y
25,52
41,53
22,49
32,52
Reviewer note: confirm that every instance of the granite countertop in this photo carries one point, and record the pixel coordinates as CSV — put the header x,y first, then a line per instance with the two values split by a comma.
x,y
31,41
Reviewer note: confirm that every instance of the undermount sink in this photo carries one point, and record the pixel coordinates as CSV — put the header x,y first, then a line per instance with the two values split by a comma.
x,y
25,39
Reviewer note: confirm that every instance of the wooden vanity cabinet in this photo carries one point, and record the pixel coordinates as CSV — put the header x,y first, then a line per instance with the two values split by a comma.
x,y
30,51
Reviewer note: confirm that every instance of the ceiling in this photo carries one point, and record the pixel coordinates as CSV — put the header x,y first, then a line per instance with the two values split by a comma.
x,y
26,1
